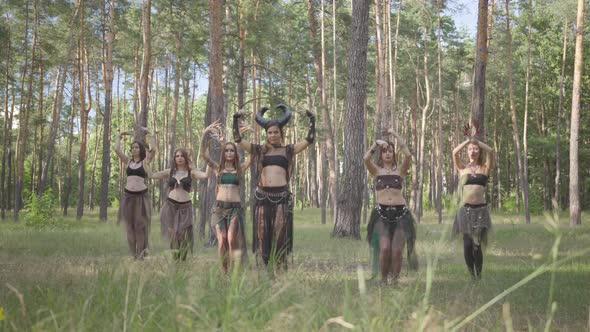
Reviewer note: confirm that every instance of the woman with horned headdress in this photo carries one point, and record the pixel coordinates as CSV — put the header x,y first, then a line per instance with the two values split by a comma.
x,y
228,215
273,214
176,214
391,224
134,207
473,217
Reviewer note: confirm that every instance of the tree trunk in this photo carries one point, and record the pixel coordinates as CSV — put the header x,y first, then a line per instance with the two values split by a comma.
x,y
142,119
215,109
319,66
558,129
518,165
525,149
108,110
83,83
425,107
351,194
21,141
575,218
68,179
393,65
481,59
439,145
7,130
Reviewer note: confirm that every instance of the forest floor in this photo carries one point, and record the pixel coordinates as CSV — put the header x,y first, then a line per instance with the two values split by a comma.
x,y
82,278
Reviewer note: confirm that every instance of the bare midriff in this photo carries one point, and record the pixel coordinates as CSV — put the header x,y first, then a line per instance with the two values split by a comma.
x,y
273,176
228,193
473,193
389,196
135,183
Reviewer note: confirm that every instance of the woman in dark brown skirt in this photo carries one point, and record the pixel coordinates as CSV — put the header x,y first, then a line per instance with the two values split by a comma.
x,y
273,215
134,208
176,215
228,215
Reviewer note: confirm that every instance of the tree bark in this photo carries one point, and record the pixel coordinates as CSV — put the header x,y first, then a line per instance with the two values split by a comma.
x,y
319,66
350,197
481,59
558,128
108,77
21,141
142,118
575,218
518,165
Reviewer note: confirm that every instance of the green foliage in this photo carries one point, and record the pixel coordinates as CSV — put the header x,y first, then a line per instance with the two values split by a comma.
x,y
41,211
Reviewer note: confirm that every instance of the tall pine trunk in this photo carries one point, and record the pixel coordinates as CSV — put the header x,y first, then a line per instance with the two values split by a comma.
x,y
108,111
351,194
575,218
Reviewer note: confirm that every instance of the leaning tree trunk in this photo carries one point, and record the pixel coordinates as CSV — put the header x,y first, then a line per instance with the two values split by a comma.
x,y
351,194
575,121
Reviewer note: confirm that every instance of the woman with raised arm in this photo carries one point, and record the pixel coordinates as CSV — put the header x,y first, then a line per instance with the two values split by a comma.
x,y
473,217
391,224
228,215
134,208
176,214
273,213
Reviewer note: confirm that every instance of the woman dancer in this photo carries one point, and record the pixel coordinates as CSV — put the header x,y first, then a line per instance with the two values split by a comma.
x,y
391,223
473,218
176,215
228,216
273,213
135,209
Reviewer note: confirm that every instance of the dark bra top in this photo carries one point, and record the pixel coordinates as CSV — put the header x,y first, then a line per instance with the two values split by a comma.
x,y
477,179
185,182
140,171
388,181
229,178
275,160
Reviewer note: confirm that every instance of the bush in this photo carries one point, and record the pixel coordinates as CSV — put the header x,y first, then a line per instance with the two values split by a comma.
x,y
41,211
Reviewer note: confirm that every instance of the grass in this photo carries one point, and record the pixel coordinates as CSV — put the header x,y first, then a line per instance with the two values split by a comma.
x,y
82,279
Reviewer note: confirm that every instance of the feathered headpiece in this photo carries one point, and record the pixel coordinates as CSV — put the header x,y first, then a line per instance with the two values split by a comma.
x,y
471,131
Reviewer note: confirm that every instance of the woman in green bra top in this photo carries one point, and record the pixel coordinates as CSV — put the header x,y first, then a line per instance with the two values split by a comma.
x,y
473,217
228,215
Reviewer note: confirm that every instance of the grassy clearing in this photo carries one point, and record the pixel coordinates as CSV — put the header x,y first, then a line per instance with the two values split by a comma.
x,y
82,279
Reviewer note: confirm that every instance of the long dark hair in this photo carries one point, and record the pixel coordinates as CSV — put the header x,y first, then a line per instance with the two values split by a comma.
x,y
236,162
142,149
381,150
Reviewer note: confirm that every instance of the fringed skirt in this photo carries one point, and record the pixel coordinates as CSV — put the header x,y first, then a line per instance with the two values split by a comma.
x,y
384,220
227,214
135,212
273,224
176,224
475,221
